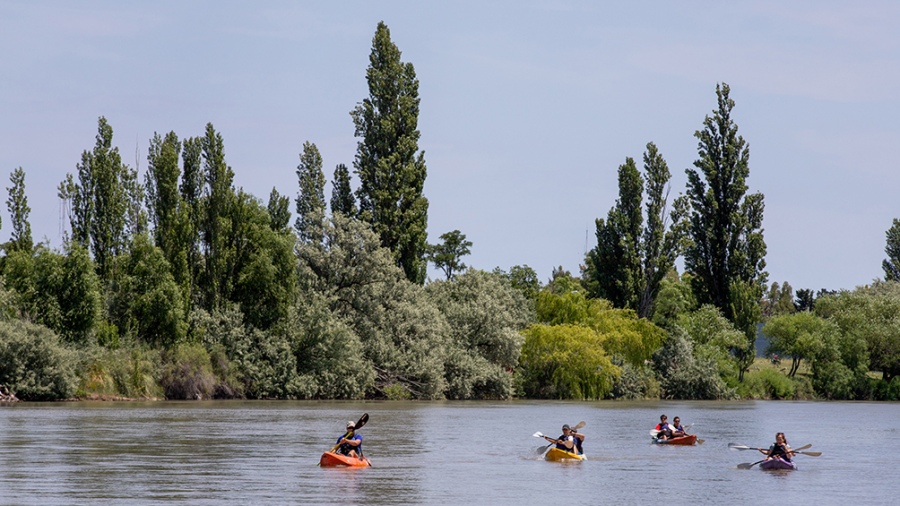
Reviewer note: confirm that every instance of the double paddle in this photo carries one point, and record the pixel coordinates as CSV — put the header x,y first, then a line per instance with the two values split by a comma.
x,y
359,425
748,465
541,449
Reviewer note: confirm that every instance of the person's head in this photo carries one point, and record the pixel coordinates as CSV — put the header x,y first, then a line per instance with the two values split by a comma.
x,y
566,429
663,418
677,421
350,426
779,438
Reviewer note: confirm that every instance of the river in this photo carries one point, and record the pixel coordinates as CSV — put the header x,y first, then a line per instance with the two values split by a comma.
x,y
439,453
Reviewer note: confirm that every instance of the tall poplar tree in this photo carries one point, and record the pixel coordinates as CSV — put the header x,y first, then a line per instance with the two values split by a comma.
x,y
311,196
17,204
726,223
390,167
163,198
727,252
99,202
219,199
632,255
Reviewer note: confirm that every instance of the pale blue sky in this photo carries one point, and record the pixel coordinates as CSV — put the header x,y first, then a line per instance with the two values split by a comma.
x,y
527,107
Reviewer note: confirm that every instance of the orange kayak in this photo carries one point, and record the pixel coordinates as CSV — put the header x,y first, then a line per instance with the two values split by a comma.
x,y
331,459
683,440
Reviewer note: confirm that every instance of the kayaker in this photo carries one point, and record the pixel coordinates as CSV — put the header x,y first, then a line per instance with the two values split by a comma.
x,y
579,441
350,444
565,442
779,449
663,429
677,429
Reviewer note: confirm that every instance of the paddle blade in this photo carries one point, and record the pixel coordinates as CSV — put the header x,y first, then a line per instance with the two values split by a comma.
x,y
362,421
811,454
745,465
541,449
735,446
579,425
700,441
537,434
802,447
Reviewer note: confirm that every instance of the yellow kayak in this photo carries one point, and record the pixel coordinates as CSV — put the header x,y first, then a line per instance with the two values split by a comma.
x,y
555,455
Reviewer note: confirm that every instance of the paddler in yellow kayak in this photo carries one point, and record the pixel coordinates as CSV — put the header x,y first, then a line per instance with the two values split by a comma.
x,y
566,442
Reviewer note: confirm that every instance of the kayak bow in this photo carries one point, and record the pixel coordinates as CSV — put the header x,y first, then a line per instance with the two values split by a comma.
x,y
332,459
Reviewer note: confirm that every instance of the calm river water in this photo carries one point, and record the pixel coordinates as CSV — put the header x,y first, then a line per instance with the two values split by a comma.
x,y
439,453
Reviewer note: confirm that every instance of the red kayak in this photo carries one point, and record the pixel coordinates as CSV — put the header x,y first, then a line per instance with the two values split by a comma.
x,y
687,440
331,459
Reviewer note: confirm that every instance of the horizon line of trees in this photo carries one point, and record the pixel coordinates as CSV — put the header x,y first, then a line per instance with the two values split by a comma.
x,y
184,286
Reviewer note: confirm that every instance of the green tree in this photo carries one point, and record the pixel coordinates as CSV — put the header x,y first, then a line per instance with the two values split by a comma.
x,y
779,300
17,204
191,189
342,199
390,167
725,224
485,315
163,198
799,335
148,303
216,226
402,335
727,251
633,256
891,264
279,211
99,201
34,364
446,256
311,196
523,278
566,362
614,265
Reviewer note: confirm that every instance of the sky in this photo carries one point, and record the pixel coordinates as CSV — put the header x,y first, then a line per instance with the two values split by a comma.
x,y
527,108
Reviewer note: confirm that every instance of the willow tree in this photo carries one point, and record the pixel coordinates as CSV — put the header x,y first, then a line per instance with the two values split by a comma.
x,y
390,167
727,252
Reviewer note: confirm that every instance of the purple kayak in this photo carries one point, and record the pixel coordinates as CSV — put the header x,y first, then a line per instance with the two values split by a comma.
x,y
777,463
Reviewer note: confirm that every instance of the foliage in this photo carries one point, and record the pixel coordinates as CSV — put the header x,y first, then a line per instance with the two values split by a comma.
x,y
745,314
279,211
767,384
675,298
522,278
623,334
311,195
390,167
402,335
632,258
446,256
342,199
163,199
685,376
869,315
636,383
98,204
727,248
216,224
485,316
778,300
264,361
34,365
891,264
17,205
129,371
148,303
713,337
566,362
799,335
187,372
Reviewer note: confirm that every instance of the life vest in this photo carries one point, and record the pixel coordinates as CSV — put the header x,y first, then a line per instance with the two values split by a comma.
x,y
346,448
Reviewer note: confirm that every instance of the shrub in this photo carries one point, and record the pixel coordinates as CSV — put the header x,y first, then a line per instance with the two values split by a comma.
x,y
187,373
128,371
636,383
34,365
766,384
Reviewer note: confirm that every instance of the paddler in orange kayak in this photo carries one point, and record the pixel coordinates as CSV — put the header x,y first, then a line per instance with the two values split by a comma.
x,y
350,444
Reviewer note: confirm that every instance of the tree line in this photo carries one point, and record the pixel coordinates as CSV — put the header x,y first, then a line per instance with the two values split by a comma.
x,y
183,286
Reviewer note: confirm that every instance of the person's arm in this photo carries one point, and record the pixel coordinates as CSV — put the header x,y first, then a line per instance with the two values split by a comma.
x,y
352,442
